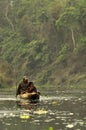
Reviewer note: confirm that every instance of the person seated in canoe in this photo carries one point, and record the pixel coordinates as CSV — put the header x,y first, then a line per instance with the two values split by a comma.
x,y
23,86
31,88
32,91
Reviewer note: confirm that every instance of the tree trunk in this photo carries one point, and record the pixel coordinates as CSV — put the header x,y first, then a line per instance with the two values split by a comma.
x,y
8,19
73,38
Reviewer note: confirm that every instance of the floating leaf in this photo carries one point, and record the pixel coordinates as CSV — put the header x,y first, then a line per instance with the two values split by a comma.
x,y
24,116
51,128
11,114
70,126
71,114
54,102
41,112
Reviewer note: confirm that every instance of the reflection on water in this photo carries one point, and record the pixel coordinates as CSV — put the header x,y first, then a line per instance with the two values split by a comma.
x,y
56,110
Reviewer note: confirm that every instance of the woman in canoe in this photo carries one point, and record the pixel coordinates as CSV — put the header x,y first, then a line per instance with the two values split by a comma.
x,y
33,94
31,88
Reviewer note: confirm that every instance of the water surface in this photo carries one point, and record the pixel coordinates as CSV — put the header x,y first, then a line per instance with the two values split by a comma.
x,y
57,110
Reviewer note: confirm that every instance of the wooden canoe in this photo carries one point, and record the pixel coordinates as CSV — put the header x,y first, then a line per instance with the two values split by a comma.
x,y
30,96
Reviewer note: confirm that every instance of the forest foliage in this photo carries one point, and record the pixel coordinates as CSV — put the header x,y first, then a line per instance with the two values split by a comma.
x,y
43,39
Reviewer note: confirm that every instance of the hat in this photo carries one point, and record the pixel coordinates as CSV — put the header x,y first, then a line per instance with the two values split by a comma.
x,y
25,78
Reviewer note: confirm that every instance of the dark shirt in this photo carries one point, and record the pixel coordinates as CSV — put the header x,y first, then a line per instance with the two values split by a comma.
x,y
33,89
22,88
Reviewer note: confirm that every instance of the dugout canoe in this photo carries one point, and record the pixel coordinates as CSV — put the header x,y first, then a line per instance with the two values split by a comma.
x,y
32,97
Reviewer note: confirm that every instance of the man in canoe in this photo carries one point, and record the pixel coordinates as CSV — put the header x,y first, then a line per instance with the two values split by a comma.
x,y
23,86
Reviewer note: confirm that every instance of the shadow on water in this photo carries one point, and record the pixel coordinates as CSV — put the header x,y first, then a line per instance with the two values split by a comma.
x,y
60,110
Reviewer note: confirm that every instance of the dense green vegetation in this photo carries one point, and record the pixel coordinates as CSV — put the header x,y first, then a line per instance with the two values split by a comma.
x,y
44,39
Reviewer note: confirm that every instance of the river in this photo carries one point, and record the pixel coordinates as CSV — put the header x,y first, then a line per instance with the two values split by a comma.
x,y
56,110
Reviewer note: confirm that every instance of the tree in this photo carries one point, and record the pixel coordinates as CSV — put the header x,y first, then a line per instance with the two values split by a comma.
x,y
26,28
5,9
69,21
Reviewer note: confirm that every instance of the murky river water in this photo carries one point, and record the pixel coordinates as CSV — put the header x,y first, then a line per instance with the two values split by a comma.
x,y
57,110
